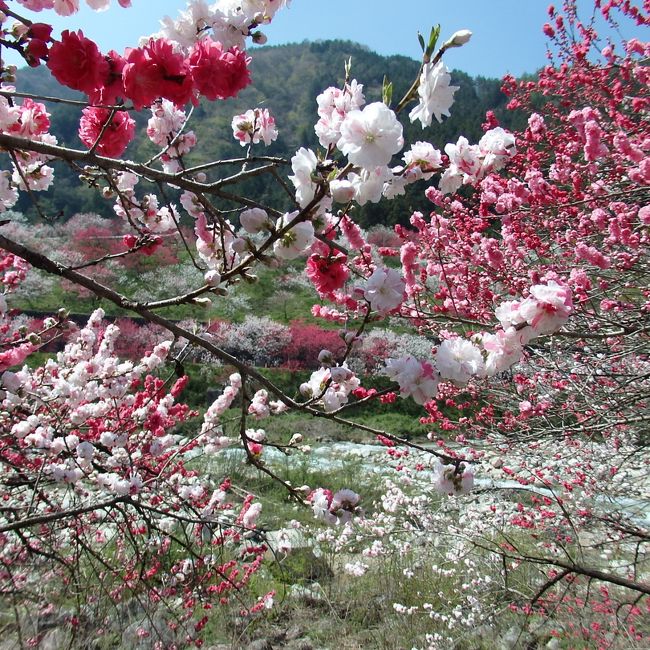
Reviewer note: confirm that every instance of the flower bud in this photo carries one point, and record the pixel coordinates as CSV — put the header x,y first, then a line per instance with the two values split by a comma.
x,y
19,29
254,220
342,191
340,374
213,278
458,38
239,245
325,358
259,38
296,439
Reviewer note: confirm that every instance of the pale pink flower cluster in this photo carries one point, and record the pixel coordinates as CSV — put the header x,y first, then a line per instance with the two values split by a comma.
x,y
544,311
459,360
371,136
502,350
211,435
164,129
469,163
253,126
296,240
90,382
231,21
215,243
157,219
330,387
384,290
251,515
8,192
28,120
416,379
422,161
338,508
435,94
303,164
370,185
69,7
259,407
334,105
254,220
452,480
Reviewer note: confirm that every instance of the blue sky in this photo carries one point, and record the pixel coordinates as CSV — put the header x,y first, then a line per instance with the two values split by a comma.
x,y
507,33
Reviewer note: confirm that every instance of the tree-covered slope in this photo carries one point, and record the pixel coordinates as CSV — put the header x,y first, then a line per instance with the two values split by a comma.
x,y
286,79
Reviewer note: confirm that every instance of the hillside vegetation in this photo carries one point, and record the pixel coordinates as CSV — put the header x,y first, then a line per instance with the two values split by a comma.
x,y
286,79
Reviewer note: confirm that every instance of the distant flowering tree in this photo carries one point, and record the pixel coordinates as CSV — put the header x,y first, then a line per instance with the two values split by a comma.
x,y
532,291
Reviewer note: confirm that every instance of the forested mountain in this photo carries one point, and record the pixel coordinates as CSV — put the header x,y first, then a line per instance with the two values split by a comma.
x,y
286,79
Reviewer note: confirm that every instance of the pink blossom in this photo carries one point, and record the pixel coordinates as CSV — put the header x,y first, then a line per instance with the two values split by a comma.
x,y
116,137
75,61
156,70
459,360
218,74
15,355
424,157
296,240
435,94
327,273
253,126
370,137
384,290
113,85
303,164
548,307
416,379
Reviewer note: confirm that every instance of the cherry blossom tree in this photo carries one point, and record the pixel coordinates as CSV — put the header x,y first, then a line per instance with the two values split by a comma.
x,y
528,287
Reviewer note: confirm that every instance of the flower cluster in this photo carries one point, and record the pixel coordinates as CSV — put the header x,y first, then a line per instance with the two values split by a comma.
x,y
459,360
470,163
330,387
253,126
334,508
30,171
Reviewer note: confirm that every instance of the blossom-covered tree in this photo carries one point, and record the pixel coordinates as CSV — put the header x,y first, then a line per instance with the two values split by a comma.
x,y
529,285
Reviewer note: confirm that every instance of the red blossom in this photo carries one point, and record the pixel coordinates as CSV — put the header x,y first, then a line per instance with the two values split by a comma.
x,y
76,62
218,74
327,273
116,136
156,70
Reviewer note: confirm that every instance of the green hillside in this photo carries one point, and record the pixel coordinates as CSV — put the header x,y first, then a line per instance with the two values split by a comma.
x,y
286,79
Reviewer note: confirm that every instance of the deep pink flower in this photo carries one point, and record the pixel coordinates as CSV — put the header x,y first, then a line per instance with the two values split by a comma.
x,y
156,70
218,74
76,62
15,356
113,86
327,274
117,136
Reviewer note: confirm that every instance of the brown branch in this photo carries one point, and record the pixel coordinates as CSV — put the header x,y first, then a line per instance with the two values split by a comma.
x,y
45,264
56,516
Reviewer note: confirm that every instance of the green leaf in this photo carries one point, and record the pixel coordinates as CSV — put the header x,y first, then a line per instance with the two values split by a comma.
x,y
433,39
387,91
348,68
421,41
